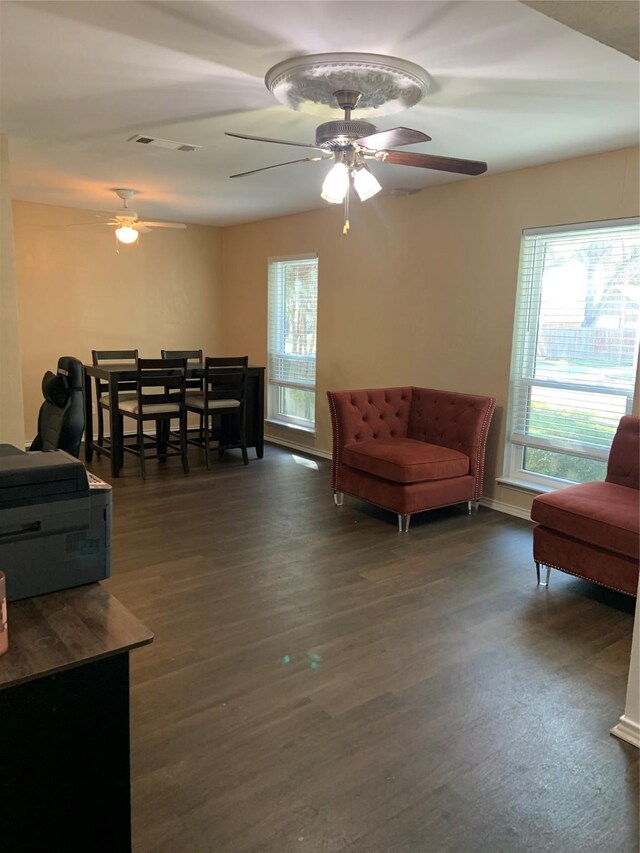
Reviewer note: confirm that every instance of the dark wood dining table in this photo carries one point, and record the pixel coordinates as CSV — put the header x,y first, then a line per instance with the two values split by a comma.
x,y
115,373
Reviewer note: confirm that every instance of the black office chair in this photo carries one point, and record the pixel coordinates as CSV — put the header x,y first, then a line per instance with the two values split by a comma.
x,y
126,391
61,416
225,386
160,397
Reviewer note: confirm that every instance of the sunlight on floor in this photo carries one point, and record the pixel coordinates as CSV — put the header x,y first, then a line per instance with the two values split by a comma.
x,y
308,463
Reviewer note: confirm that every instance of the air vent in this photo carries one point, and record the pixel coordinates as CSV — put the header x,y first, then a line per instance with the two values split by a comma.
x,y
163,143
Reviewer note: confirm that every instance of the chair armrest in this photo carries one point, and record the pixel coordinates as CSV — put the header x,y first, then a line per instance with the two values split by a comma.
x,y
624,457
458,421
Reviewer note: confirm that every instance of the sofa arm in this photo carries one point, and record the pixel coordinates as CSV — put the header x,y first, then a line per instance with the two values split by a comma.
x,y
623,467
364,414
458,421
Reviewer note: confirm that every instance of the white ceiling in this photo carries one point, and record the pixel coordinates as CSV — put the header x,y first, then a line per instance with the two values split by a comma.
x,y
509,86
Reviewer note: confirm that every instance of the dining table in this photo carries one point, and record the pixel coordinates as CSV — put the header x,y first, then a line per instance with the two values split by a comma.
x,y
114,373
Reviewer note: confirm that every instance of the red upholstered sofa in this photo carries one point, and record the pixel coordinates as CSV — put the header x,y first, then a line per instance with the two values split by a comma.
x,y
592,529
409,449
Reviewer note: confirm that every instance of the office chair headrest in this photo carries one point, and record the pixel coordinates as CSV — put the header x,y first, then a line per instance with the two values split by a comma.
x,y
55,389
73,369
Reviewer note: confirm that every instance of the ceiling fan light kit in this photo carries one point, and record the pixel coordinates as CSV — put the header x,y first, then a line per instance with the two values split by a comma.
x,y
126,234
372,84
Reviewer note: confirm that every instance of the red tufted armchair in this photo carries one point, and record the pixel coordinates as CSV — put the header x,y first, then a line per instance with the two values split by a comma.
x,y
409,449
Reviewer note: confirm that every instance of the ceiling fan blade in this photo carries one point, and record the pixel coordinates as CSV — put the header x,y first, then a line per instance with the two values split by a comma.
x,y
152,223
278,141
432,161
288,163
104,222
141,228
392,138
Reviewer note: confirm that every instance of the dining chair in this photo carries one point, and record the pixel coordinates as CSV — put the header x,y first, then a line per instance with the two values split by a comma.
x,y
193,386
224,395
160,397
126,390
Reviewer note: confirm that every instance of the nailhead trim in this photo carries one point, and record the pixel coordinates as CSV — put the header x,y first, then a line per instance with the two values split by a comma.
x,y
585,578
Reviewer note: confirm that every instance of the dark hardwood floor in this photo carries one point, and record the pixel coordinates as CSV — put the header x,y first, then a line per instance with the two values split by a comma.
x,y
320,683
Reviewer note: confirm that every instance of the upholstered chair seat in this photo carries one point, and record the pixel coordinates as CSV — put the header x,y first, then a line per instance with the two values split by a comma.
x,y
405,460
105,402
198,402
132,407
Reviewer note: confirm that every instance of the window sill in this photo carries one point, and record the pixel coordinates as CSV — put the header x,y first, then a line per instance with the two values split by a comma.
x,y
287,425
525,486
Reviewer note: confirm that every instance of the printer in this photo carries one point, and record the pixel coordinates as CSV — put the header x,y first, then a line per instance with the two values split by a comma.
x,y
55,523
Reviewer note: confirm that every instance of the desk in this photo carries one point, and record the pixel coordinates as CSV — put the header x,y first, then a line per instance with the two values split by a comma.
x,y
64,738
114,373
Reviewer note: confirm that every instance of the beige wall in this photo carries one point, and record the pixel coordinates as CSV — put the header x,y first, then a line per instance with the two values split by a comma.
x,y
11,400
75,293
422,291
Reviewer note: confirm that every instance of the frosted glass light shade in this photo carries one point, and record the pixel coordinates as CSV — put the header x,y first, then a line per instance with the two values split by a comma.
x,y
365,183
336,184
126,235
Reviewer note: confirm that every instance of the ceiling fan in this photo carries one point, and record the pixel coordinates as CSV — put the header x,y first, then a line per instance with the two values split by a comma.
x,y
379,84
127,222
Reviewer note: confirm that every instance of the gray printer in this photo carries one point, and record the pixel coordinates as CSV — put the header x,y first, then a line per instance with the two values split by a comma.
x,y
55,523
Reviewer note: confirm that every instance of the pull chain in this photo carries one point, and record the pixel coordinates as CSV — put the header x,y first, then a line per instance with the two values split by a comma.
x,y
345,227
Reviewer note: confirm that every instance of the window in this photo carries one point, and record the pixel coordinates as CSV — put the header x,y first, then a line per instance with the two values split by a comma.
x,y
293,303
575,350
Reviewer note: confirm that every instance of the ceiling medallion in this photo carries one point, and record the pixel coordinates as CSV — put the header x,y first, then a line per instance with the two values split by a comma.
x,y
309,83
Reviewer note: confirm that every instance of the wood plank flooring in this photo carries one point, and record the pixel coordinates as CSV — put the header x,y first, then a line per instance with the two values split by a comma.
x,y
320,683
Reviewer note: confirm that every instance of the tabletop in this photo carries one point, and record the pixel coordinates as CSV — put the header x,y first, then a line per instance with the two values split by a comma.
x,y
54,632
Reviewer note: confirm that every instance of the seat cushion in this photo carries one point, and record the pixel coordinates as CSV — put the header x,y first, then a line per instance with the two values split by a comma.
x,y
105,402
130,407
405,460
602,514
197,402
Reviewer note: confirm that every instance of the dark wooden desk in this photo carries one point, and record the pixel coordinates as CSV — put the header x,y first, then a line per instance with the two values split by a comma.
x,y
64,723
115,373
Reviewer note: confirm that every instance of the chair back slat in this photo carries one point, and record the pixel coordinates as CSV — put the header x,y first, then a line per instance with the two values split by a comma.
x,y
225,378
161,381
102,356
189,354
192,355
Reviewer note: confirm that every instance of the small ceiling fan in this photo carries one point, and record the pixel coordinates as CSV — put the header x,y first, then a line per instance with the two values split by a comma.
x,y
127,222
372,83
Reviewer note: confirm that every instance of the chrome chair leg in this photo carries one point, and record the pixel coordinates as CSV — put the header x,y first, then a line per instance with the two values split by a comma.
x,y
546,582
472,506
338,498
403,523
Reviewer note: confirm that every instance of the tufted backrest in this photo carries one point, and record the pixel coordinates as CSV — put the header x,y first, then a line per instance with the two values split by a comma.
x,y
624,458
449,419
364,414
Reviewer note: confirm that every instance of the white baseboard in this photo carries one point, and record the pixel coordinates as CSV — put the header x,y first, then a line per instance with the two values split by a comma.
x,y
509,509
628,730
302,448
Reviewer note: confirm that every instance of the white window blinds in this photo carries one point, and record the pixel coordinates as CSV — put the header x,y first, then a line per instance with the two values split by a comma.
x,y
293,300
576,335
